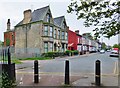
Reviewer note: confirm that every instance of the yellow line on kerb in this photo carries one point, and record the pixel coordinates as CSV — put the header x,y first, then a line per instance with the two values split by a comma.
x,y
40,72
62,73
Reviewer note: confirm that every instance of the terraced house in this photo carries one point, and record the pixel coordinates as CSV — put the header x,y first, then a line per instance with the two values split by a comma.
x,y
39,32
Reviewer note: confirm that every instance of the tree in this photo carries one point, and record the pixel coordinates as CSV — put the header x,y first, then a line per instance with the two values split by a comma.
x,y
116,46
7,42
103,14
88,35
103,46
1,43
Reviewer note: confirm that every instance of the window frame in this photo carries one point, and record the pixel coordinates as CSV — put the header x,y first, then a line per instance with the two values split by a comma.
x,y
51,47
63,35
48,17
45,31
55,33
58,34
51,32
45,47
66,35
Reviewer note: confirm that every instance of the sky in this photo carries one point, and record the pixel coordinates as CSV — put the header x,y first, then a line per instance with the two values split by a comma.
x,y
13,10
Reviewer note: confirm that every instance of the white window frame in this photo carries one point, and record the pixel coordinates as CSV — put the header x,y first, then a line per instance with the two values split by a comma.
x,y
45,31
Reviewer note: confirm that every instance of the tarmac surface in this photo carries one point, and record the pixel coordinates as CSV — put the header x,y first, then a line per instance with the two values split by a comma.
x,y
57,79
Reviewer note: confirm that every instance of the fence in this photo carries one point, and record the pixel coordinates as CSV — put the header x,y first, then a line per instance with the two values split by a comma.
x,y
18,53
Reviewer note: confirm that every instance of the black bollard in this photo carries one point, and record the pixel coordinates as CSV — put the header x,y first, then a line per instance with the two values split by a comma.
x,y
36,71
9,56
67,72
98,73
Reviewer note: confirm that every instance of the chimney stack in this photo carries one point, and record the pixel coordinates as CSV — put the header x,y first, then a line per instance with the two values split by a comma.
x,y
77,31
8,25
27,16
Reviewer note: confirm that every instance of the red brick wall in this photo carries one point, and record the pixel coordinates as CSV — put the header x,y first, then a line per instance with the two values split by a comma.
x,y
10,36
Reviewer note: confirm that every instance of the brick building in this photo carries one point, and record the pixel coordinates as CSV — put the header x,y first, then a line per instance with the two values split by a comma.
x,y
9,36
39,32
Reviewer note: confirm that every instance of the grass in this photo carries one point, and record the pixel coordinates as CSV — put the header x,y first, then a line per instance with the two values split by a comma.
x,y
16,61
36,58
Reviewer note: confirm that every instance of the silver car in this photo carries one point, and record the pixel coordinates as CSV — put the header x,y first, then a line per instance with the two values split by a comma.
x,y
102,51
114,53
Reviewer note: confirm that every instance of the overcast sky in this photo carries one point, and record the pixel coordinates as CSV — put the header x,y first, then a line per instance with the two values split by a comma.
x,y
13,10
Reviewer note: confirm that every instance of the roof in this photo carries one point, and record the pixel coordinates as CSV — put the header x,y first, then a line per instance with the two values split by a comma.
x,y
37,15
59,20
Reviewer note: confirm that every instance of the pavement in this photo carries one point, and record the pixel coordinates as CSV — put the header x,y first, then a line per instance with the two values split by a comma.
x,y
57,79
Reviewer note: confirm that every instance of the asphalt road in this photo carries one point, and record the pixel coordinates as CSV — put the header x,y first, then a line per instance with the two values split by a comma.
x,y
78,65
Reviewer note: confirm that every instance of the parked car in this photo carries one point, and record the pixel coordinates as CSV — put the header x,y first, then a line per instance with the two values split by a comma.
x,y
108,50
114,53
102,51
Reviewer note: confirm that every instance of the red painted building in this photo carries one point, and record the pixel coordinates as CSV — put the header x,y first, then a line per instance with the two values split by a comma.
x,y
9,36
74,41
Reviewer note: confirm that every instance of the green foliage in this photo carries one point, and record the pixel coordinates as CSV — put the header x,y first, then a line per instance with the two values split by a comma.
x,y
1,43
73,52
116,46
7,42
16,61
104,14
68,52
6,82
88,35
35,58
53,54
104,46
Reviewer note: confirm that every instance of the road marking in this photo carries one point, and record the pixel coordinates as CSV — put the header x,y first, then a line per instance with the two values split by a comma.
x,y
62,73
116,70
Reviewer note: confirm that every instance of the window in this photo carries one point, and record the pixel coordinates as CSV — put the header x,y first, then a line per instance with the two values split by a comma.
x,y
62,47
78,40
63,35
45,47
12,37
55,34
51,47
51,31
48,17
66,46
63,24
45,30
59,34
66,35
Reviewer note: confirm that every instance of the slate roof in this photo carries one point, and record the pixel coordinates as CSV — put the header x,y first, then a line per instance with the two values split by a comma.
x,y
58,21
37,15
40,13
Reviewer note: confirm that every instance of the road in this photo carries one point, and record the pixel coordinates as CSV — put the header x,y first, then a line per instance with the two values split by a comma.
x,y
78,65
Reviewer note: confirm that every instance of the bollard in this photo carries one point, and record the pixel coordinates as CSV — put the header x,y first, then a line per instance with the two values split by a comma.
x,y
9,56
36,75
97,74
67,72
